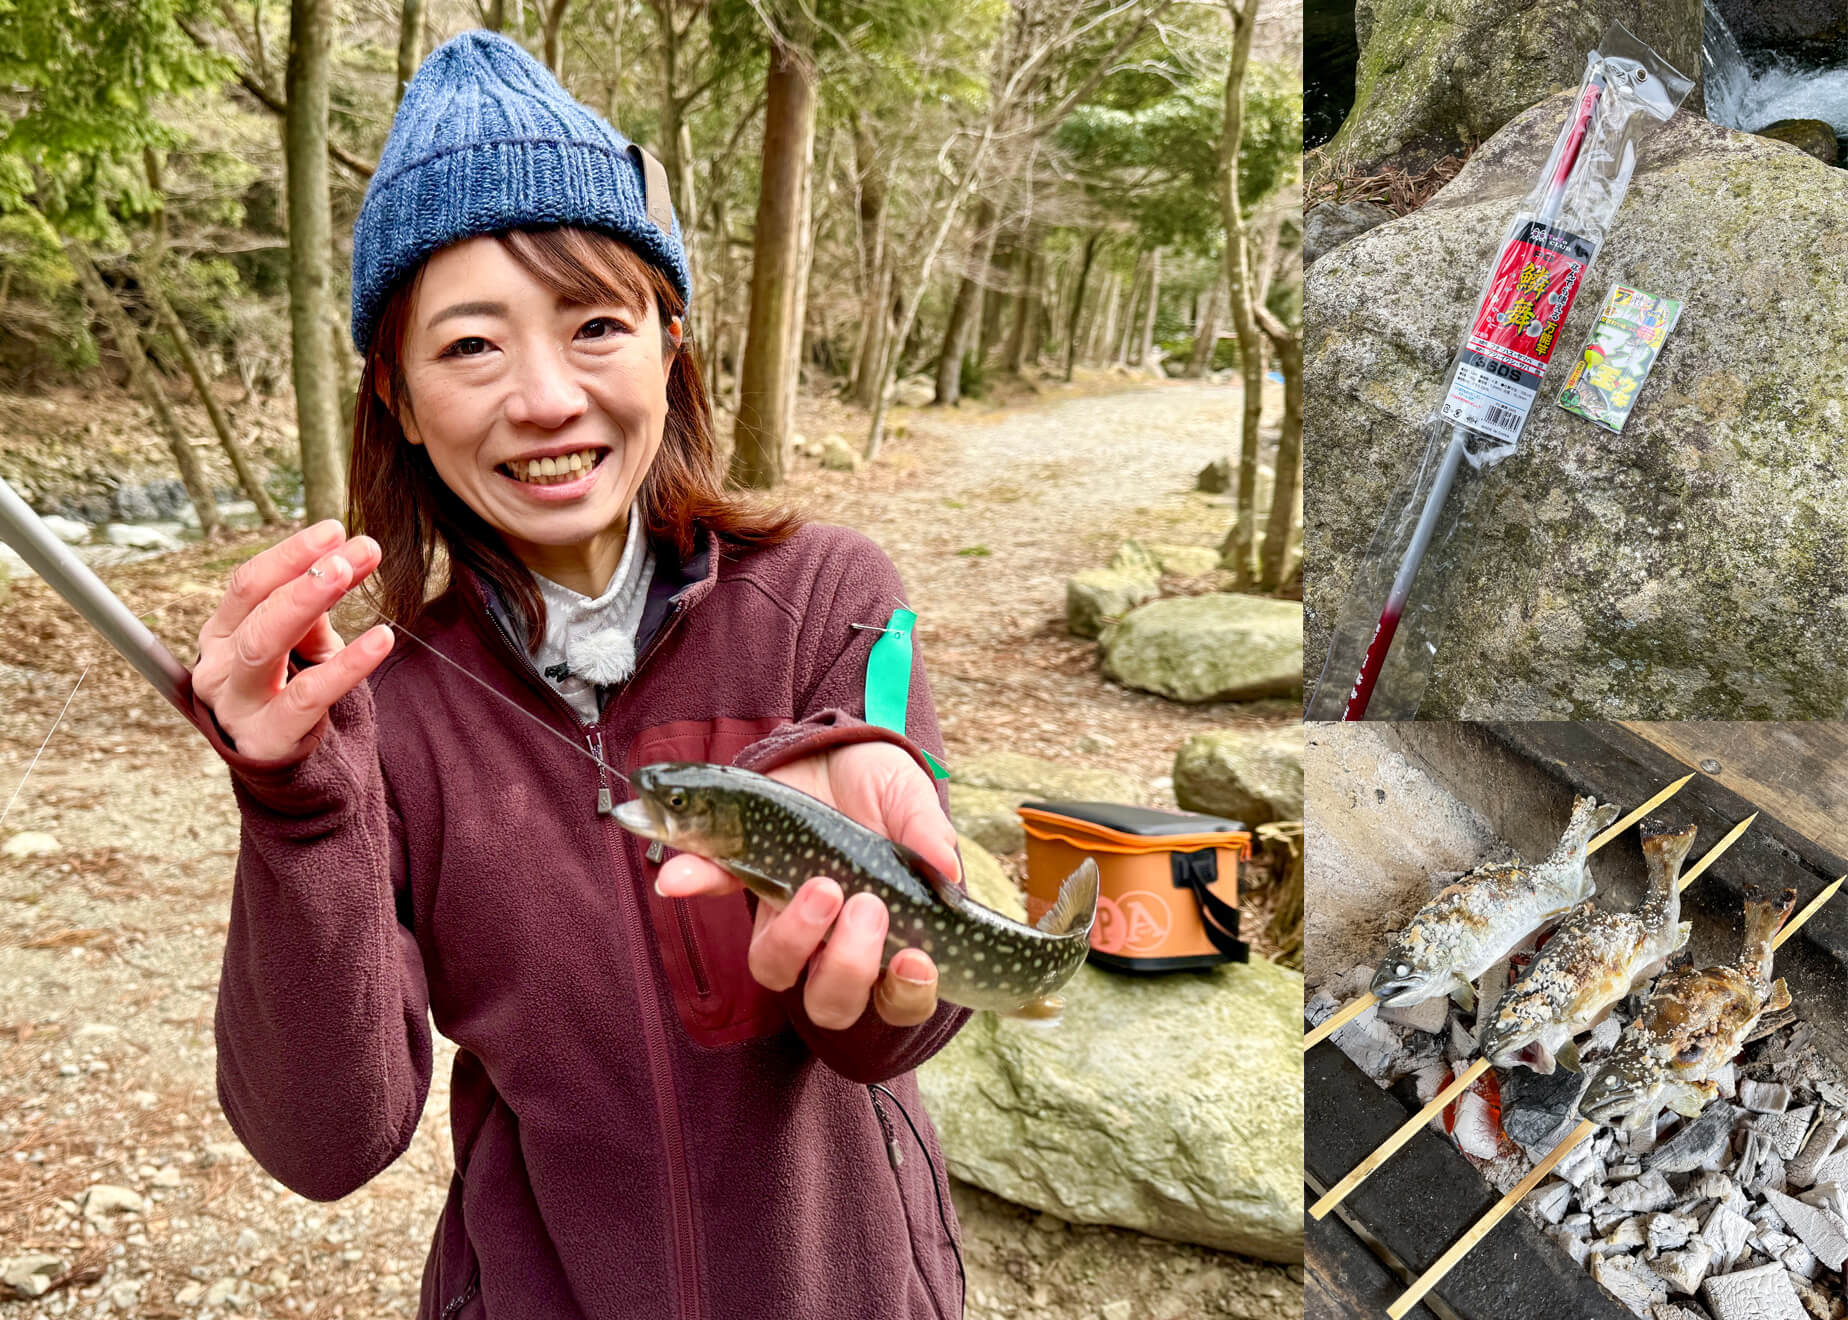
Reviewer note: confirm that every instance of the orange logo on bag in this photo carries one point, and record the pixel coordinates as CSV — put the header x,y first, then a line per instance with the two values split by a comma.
x,y
1136,922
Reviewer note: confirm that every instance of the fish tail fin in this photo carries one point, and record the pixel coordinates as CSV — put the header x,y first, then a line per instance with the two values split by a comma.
x,y
1663,855
1076,904
1588,818
1766,912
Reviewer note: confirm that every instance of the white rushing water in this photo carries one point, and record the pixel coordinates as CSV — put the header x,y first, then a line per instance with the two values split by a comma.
x,y
1750,94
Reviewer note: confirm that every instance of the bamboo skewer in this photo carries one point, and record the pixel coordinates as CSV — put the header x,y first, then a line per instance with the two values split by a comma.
x,y
1480,1229
1795,924
1361,1003
1463,1080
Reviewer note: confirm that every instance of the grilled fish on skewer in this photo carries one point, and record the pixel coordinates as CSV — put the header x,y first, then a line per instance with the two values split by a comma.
x,y
1695,1021
1593,960
1472,924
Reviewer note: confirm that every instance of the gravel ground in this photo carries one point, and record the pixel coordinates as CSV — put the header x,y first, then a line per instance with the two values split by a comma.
x,y
110,946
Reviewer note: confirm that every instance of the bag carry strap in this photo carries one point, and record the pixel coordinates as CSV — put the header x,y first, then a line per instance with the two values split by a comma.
x,y
1195,871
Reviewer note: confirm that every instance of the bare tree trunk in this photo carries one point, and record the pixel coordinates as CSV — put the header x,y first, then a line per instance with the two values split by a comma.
x,y
410,45
553,18
1145,356
789,128
1129,309
1026,305
310,239
995,298
1206,336
495,19
142,377
153,283
1241,547
1071,324
963,309
876,266
1289,464
805,260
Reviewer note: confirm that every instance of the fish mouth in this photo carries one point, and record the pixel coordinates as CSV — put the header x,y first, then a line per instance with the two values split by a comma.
x,y
643,817
1394,987
1610,1098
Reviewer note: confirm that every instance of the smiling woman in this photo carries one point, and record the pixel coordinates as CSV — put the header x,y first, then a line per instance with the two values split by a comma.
x,y
536,496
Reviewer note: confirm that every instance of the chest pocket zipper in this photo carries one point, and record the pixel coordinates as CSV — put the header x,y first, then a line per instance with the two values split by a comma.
x,y
466,1296
690,938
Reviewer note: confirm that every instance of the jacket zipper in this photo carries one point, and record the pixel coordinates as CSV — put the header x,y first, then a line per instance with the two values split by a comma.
x,y
654,1024
463,1298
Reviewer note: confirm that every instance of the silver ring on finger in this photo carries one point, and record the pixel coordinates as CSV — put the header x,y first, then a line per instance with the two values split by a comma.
x,y
317,572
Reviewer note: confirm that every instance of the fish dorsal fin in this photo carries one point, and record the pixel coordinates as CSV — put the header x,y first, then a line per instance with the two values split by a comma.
x,y
1076,904
938,883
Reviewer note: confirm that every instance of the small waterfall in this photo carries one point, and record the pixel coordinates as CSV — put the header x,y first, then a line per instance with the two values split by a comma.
x,y
1751,92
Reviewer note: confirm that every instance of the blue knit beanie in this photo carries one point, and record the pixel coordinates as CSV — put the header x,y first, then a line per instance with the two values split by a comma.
x,y
485,141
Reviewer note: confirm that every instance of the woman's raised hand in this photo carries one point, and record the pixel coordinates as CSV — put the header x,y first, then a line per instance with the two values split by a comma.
x,y
277,602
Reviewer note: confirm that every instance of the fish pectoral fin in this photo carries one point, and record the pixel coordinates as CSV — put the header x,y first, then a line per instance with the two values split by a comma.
x,y
1568,1057
1076,904
1688,1101
1779,998
1465,995
766,886
1045,1010
1682,931
939,883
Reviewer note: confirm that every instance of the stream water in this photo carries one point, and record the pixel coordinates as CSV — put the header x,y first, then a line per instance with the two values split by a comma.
x,y
1750,89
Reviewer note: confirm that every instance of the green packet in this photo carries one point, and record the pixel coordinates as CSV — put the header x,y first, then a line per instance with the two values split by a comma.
x,y
1616,359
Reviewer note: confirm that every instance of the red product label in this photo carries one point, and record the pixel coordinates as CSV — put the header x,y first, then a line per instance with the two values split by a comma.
x,y
1539,273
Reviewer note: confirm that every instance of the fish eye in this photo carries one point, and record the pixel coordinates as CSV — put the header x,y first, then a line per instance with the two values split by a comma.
x,y
1402,970
677,798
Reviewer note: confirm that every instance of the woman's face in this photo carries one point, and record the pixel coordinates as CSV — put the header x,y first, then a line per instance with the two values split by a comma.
x,y
542,415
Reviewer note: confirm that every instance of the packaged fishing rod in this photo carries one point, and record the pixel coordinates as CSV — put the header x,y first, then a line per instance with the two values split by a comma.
x,y
1385,639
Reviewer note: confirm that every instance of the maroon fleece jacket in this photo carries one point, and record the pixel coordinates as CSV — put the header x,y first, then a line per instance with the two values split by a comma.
x,y
641,1130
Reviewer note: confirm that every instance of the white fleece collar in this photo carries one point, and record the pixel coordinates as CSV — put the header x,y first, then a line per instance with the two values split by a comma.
x,y
595,639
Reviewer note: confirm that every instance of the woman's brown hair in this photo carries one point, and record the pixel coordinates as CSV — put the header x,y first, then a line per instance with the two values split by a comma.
x,y
395,495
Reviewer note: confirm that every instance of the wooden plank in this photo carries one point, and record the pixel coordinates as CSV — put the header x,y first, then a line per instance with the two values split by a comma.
x,y
1424,1200
1793,771
1343,1280
1617,764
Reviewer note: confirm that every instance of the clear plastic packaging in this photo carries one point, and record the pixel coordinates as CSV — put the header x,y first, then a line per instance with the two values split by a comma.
x,y
1385,639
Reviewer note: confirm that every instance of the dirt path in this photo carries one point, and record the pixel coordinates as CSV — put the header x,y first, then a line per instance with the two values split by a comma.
x,y
110,946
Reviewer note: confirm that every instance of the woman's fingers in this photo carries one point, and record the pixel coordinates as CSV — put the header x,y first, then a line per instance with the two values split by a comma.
x,y
254,579
308,695
291,612
782,944
841,978
686,876
907,994
914,817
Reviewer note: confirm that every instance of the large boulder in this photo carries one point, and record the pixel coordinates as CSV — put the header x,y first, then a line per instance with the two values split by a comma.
x,y
1098,597
1031,776
1251,777
1688,568
988,882
1813,137
1783,21
987,815
1171,1105
1217,647
1330,224
1435,79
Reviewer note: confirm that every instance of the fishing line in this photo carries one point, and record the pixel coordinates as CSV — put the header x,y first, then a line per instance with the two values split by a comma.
x,y
400,630
42,746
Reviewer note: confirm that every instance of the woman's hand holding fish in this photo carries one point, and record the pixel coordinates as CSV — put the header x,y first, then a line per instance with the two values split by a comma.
x,y
843,945
277,602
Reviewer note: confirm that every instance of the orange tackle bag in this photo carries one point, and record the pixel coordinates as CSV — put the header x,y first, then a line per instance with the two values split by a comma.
x,y
1170,881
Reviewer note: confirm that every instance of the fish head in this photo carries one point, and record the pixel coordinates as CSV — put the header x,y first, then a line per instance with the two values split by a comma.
x,y
1513,1037
1405,977
1627,1090
686,806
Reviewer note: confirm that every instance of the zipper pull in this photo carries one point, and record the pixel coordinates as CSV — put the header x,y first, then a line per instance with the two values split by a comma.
x,y
606,800
656,852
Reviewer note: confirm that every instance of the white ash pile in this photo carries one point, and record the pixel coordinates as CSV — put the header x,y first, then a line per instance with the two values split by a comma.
x,y
1738,1214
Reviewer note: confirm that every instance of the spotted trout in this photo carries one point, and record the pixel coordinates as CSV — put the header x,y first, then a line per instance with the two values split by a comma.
x,y
1472,924
1593,959
1694,1023
774,838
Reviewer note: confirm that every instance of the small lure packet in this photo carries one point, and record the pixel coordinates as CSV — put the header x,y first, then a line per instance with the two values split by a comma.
x,y
1616,360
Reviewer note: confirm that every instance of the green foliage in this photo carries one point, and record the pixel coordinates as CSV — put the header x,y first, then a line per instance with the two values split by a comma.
x,y
973,376
45,314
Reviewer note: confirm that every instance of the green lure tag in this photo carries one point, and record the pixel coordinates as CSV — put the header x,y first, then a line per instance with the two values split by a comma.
x,y
888,679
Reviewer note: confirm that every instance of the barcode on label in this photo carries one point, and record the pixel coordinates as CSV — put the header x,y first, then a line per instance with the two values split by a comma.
x,y
1502,417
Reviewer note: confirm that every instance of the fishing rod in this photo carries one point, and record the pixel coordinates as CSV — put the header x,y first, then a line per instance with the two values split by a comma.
x,y
1362,692
1492,383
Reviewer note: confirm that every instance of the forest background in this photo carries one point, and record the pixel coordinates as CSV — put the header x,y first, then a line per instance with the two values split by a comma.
x,y
883,201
